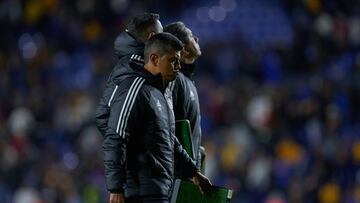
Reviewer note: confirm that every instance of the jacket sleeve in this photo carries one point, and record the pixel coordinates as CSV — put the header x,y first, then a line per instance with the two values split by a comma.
x,y
103,109
177,88
114,149
183,110
117,133
181,156
101,117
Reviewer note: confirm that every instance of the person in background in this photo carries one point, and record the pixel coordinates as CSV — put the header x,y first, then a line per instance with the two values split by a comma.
x,y
129,47
185,97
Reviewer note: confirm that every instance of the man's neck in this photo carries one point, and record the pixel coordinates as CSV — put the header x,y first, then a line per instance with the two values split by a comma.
x,y
154,71
151,69
165,83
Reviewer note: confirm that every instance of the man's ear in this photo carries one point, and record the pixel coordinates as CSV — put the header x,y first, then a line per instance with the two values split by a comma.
x,y
154,59
150,35
184,53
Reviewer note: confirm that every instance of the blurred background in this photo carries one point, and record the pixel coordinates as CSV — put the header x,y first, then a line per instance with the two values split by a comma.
x,y
278,82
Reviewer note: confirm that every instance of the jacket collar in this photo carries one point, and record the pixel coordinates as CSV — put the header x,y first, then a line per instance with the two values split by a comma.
x,y
187,69
153,80
126,44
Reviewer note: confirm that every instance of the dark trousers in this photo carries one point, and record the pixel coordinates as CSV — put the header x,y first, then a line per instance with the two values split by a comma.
x,y
148,199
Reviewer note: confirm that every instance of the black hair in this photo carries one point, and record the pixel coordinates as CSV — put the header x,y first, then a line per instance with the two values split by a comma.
x,y
178,29
141,24
162,44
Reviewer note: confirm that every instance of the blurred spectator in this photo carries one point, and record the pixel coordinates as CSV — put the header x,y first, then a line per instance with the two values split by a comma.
x,y
278,85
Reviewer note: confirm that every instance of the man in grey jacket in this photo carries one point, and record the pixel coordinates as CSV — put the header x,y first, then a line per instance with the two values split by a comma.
x,y
129,48
140,139
185,97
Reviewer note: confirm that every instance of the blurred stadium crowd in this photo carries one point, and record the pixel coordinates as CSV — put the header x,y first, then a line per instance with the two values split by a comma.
x,y
279,86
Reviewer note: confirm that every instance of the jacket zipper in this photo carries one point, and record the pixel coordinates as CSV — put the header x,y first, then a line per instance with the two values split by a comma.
x,y
171,134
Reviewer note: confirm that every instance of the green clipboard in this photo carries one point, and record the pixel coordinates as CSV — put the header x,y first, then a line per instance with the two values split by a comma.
x,y
183,133
185,191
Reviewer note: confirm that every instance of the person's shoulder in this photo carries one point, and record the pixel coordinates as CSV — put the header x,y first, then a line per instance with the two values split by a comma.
x,y
128,85
136,83
180,76
148,89
179,82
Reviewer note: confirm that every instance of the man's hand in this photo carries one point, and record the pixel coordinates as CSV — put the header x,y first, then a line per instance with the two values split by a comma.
x,y
117,198
202,182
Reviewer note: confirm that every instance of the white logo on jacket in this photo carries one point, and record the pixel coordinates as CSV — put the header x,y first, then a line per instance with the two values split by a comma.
x,y
192,95
158,105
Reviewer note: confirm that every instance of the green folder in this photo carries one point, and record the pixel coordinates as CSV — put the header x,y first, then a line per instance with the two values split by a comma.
x,y
185,192
183,133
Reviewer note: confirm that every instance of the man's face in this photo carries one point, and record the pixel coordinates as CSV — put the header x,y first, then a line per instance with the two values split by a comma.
x,y
192,49
169,65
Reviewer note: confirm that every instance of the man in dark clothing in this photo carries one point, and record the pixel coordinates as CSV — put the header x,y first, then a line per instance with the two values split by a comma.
x,y
129,47
185,97
140,138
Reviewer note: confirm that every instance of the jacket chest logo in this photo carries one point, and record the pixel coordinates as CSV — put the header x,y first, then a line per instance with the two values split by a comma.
x,y
169,102
192,95
158,105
